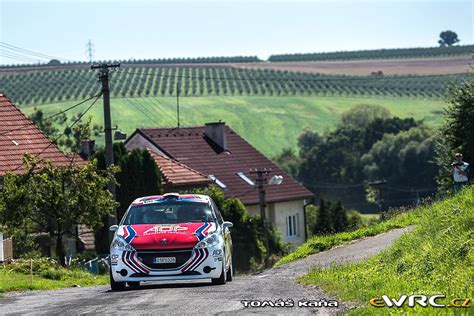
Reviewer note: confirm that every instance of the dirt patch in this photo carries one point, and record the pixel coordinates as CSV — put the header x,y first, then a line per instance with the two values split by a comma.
x,y
418,66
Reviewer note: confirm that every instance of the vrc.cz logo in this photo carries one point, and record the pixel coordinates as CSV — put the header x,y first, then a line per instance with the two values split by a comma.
x,y
438,300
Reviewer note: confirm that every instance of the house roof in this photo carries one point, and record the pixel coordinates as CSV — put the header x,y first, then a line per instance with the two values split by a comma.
x,y
176,173
18,136
191,147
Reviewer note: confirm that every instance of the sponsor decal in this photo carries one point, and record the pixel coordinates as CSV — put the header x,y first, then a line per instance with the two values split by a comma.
x,y
438,300
129,233
202,231
163,229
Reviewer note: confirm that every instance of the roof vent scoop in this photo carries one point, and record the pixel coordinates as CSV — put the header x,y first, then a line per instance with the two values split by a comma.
x,y
216,132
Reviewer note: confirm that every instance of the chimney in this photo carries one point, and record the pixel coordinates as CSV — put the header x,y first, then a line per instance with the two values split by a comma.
x,y
87,148
216,132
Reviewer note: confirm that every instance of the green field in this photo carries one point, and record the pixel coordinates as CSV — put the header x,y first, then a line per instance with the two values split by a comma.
x,y
268,123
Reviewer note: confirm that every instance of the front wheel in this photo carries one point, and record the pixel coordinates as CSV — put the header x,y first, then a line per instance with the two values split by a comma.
x,y
222,278
116,286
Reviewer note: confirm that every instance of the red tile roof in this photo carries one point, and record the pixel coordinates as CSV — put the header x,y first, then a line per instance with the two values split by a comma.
x,y
191,147
176,173
18,135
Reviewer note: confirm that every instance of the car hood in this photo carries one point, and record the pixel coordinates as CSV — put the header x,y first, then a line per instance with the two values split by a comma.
x,y
165,236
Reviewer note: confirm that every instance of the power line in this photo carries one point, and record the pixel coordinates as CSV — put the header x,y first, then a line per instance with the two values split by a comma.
x,y
59,136
29,52
18,57
51,116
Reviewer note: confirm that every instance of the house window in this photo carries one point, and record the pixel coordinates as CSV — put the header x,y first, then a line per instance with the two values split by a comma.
x,y
245,178
292,225
217,181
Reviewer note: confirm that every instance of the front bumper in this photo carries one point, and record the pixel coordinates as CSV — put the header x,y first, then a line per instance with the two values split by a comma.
x,y
129,266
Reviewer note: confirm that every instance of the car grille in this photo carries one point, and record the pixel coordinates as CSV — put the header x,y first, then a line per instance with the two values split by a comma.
x,y
147,257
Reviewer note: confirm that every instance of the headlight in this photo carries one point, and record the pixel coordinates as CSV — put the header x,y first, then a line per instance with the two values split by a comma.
x,y
209,241
120,244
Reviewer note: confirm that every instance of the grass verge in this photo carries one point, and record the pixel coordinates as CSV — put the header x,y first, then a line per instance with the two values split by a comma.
x,y
436,258
321,243
13,279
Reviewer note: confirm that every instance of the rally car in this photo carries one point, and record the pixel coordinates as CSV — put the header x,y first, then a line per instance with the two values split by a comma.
x,y
171,237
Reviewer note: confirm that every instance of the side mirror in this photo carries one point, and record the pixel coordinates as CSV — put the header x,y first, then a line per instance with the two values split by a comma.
x,y
227,224
113,228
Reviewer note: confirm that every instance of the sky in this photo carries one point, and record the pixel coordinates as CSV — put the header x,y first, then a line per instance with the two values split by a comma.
x,y
164,29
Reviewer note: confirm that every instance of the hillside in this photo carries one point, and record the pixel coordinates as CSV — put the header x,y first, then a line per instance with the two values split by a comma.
x,y
435,258
39,87
420,52
283,117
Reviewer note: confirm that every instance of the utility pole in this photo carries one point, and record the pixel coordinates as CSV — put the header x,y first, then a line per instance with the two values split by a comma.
x,y
90,49
109,154
378,185
261,188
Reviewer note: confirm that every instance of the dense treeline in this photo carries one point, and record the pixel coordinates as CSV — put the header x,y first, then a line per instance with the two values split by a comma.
x,y
56,86
371,161
377,54
158,61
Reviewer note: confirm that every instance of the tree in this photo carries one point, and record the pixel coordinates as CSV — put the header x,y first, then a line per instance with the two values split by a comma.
x,y
55,199
288,161
339,217
457,133
362,115
323,224
307,140
54,62
70,138
406,161
47,125
448,38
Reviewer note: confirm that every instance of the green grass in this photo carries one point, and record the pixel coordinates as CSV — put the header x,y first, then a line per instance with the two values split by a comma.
x,y
321,243
268,123
436,258
11,280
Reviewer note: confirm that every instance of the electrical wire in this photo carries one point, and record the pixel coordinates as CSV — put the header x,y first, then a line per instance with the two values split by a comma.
x,y
51,116
29,52
53,142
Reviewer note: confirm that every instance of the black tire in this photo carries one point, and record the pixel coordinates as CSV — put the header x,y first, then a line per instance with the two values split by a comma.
x,y
116,286
222,278
133,284
230,273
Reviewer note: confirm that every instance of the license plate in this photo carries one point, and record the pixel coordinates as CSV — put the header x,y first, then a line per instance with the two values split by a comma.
x,y
164,260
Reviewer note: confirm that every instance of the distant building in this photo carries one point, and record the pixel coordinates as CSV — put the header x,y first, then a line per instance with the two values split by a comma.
x,y
196,156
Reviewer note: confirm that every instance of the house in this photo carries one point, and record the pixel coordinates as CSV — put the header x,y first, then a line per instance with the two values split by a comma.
x,y
218,153
18,136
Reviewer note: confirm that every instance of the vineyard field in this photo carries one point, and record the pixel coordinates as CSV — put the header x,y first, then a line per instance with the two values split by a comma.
x,y
283,118
41,87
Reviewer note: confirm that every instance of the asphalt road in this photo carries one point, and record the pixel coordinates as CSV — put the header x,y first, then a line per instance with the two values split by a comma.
x,y
201,297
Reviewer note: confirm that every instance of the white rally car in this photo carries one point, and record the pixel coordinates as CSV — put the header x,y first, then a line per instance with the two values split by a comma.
x,y
171,237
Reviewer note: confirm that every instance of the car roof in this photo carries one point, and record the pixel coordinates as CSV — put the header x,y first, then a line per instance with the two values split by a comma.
x,y
172,196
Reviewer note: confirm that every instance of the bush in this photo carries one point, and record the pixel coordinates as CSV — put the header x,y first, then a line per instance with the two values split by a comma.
x,y
52,274
354,220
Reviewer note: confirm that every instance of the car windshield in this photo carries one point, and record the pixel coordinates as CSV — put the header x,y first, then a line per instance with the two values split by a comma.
x,y
169,213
